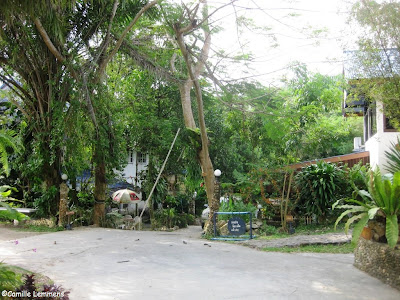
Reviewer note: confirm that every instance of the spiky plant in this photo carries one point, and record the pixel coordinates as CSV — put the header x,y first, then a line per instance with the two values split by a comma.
x,y
393,157
383,196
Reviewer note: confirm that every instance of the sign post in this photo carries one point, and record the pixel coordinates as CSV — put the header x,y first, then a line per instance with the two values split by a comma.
x,y
236,227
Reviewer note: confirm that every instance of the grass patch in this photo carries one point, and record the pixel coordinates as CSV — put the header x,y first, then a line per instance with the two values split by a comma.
x,y
39,228
326,248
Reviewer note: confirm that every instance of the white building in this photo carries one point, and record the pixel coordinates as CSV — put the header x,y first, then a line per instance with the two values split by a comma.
x,y
136,163
379,135
381,140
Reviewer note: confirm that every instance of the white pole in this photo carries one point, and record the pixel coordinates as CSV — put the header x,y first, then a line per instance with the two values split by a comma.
x,y
159,175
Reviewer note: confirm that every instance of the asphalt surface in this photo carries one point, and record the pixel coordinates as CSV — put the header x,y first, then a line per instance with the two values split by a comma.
x,y
98,263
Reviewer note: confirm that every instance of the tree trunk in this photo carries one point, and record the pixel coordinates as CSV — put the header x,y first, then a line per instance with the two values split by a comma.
x,y
99,193
194,69
184,90
52,178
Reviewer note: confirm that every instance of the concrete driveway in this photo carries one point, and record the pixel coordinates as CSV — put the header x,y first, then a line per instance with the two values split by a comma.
x,y
98,263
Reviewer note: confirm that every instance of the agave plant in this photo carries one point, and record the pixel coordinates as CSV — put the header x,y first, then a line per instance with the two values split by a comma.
x,y
383,196
393,157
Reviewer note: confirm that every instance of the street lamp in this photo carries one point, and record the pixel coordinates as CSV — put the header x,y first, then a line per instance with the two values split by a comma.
x,y
217,195
217,174
64,177
217,188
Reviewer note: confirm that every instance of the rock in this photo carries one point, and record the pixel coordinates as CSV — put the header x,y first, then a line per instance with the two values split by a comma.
x,y
378,260
377,230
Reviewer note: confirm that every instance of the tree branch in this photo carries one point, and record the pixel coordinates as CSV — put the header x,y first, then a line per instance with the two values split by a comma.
x,y
107,38
51,47
144,62
104,63
48,41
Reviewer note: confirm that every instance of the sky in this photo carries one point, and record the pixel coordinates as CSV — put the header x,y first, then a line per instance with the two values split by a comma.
x,y
291,23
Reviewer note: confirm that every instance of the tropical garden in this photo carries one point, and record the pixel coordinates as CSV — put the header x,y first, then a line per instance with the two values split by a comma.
x,y
85,82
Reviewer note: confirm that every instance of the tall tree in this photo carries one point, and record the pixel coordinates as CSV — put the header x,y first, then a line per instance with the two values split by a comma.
x,y
40,84
195,64
79,39
378,58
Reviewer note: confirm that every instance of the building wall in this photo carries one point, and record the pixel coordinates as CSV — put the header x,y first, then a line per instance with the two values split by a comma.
x,y
136,163
380,142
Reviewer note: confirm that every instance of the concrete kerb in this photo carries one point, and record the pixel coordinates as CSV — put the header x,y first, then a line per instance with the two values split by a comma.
x,y
299,240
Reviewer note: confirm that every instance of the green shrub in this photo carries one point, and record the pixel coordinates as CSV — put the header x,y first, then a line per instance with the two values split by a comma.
x,y
113,219
266,229
9,214
169,218
236,206
9,280
319,186
44,203
357,176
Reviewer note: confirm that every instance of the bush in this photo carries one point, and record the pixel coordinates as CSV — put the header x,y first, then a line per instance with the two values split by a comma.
x,y
357,176
236,206
319,186
169,218
9,280
113,219
44,203
266,229
11,214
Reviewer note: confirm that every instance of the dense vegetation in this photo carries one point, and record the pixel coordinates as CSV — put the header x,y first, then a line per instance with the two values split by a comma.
x,y
90,102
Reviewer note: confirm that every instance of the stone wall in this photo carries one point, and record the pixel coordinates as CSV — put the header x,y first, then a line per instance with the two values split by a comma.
x,y
378,260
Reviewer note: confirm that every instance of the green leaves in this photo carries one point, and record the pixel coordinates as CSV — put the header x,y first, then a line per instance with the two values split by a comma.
x,y
393,157
383,195
319,185
392,230
7,140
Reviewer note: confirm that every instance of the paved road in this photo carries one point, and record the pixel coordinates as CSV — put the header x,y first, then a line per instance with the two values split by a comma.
x,y
97,263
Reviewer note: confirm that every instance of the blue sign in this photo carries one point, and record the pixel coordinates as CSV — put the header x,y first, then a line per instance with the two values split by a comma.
x,y
236,226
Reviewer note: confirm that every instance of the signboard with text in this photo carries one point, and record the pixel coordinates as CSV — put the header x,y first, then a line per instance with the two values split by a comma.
x,y
236,226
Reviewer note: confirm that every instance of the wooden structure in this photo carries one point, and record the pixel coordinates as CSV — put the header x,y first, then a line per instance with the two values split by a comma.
x,y
349,159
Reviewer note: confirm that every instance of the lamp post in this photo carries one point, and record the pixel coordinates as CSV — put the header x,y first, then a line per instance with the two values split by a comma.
x,y
217,195
192,208
217,187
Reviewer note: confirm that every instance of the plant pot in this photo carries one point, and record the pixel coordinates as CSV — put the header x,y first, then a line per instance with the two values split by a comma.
x,y
366,233
379,261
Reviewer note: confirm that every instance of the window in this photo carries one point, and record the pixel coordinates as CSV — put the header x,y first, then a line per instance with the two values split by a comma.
x,y
370,122
130,157
387,126
141,157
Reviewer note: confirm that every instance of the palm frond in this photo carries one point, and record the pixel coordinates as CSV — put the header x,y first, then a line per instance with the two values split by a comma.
x,y
393,157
